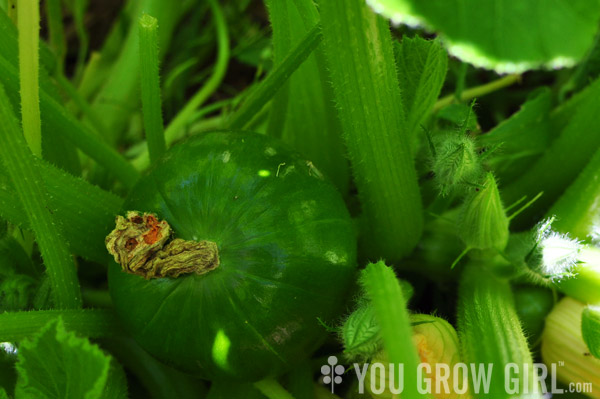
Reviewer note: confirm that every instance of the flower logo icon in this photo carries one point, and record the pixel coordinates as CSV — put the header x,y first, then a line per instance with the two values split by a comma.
x,y
332,373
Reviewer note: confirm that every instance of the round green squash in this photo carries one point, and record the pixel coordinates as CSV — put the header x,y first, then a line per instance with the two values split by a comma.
x,y
286,252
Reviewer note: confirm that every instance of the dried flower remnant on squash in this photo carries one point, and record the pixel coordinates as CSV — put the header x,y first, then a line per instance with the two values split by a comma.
x,y
143,245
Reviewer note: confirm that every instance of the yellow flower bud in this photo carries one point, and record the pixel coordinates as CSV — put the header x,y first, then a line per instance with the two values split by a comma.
x,y
563,345
437,344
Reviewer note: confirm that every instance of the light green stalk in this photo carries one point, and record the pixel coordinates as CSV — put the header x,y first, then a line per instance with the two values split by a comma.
x,y
24,172
29,66
150,79
358,48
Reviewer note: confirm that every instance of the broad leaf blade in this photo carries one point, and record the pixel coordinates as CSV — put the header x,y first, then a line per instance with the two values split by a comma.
x,y
562,161
361,333
422,66
116,383
505,35
58,364
520,139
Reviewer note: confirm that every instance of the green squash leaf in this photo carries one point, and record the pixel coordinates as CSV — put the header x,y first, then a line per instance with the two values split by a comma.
x,y
422,66
116,383
564,159
360,333
590,329
577,209
18,276
587,70
457,116
505,35
522,138
16,291
58,364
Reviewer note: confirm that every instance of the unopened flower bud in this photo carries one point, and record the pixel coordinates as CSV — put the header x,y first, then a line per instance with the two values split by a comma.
x,y
455,164
483,223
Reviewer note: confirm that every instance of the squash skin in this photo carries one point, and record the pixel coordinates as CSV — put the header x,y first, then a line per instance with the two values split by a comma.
x,y
287,250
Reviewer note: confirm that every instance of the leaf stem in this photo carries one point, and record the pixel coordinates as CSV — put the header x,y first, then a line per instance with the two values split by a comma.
x,y
79,7
86,211
29,64
303,113
62,122
527,205
362,70
478,91
162,381
176,128
56,32
150,82
183,117
81,103
142,160
272,389
561,162
116,85
26,177
16,326
276,79
384,290
490,329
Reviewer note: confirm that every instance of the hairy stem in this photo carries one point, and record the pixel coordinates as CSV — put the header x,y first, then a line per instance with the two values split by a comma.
x,y
359,53
478,91
276,79
149,77
22,167
90,323
384,290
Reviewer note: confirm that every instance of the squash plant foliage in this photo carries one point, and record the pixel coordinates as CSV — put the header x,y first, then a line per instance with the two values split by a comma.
x,y
217,198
